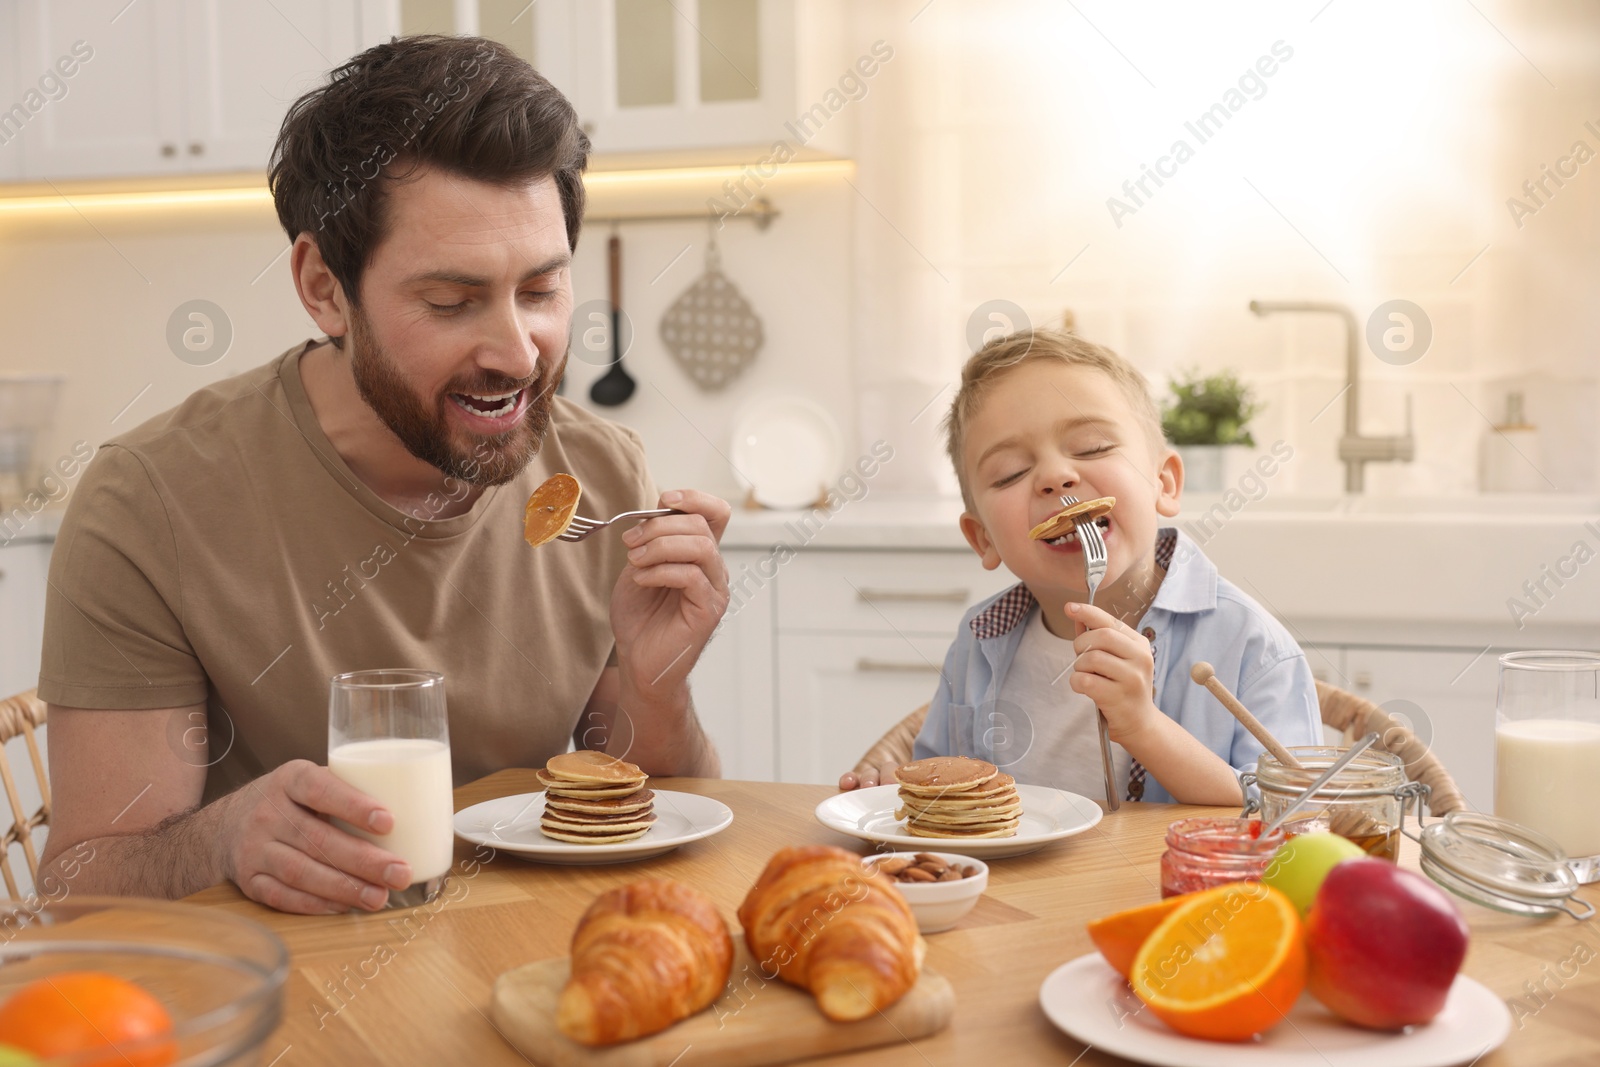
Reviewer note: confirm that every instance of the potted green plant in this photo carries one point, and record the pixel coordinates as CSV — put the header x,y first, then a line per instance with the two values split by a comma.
x,y
1205,415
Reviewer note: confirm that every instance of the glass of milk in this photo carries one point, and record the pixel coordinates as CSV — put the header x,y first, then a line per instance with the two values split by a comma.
x,y
388,736
1547,750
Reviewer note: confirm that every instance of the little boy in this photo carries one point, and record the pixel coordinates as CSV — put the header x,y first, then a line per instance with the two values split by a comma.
x,y
1039,415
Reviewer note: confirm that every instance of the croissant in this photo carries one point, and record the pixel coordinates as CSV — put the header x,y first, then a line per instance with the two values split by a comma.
x,y
643,956
828,926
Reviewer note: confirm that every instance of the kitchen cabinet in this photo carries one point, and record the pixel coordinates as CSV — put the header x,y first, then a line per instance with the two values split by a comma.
x,y
732,684
1447,696
821,654
11,96
657,75
24,569
837,694
170,87
826,650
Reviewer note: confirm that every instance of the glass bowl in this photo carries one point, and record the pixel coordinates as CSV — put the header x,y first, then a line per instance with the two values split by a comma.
x,y
220,977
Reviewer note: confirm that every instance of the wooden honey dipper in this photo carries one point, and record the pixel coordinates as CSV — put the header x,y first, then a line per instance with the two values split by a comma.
x,y
1345,822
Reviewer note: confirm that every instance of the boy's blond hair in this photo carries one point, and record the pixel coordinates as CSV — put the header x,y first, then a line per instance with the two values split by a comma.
x,y
1005,354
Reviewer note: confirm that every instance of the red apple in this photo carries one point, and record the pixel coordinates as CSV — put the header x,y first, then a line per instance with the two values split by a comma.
x,y
1384,944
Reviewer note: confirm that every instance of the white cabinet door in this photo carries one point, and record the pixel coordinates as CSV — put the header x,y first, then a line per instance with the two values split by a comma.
x,y
884,592
838,694
24,568
10,94
652,77
247,61
732,685
1448,696
120,111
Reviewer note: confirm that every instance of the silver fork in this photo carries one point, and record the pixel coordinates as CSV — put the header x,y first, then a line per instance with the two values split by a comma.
x,y
580,527
1094,570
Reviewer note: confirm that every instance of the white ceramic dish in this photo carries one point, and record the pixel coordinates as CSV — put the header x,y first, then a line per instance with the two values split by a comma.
x,y
939,905
1048,815
786,451
511,825
1092,1002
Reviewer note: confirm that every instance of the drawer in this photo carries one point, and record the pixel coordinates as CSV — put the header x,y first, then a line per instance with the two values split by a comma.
x,y
838,695
883,592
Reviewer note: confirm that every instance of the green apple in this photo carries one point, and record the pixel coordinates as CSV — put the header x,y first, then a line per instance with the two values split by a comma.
x,y
12,1056
1302,862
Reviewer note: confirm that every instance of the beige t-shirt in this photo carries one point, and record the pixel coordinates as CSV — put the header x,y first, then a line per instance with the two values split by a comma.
x,y
223,553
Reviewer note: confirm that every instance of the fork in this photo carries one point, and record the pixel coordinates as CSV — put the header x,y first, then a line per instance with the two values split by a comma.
x,y
580,527
1094,570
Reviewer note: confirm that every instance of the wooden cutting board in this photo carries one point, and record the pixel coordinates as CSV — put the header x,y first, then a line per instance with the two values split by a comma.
x,y
758,1021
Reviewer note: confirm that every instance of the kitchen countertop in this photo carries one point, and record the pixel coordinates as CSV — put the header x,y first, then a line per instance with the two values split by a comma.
x,y
1344,569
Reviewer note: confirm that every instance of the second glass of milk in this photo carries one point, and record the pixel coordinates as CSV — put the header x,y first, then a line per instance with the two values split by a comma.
x,y
389,736
1547,750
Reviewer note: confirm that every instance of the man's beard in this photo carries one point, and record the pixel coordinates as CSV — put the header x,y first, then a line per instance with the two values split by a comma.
x,y
481,461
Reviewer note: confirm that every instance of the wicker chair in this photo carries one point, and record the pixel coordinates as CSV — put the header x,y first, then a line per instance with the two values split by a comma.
x,y
21,714
1346,712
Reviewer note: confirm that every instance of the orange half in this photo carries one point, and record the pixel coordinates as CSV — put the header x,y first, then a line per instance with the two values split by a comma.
x,y
1119,935
550,509
1226,964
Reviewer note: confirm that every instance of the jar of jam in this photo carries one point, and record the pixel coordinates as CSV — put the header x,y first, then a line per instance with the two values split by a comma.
x,y
1204,852
1365,802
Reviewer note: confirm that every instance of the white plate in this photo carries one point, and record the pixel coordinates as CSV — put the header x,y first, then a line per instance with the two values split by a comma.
x,y
1091,1002
785,451
511,824
1047,815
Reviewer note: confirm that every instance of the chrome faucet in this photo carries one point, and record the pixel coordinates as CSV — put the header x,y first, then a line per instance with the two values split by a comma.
x,y
1355,451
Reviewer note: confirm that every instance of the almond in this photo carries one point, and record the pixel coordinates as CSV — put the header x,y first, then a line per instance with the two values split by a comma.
x,y
894,865
917,874
950,875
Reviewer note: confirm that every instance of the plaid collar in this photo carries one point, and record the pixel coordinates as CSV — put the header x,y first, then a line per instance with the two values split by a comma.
x,y
1013,605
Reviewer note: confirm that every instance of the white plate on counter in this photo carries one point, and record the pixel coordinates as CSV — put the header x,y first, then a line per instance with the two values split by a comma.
x,y
511,825
1091,1002
1048,815
786,451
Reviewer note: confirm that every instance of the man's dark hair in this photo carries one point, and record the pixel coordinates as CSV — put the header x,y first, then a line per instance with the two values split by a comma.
x,y
466,105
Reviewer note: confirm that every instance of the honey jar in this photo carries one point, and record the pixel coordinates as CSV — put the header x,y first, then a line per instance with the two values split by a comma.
x,y
1365,802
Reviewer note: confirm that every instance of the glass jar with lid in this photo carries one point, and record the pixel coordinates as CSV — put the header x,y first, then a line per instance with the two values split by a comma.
x,y
1205,852
1365,802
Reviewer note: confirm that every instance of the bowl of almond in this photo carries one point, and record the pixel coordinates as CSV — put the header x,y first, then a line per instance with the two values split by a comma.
x,y
939,886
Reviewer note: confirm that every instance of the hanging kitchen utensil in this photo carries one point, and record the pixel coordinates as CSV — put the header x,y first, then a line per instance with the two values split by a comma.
x,y
615,386
711,330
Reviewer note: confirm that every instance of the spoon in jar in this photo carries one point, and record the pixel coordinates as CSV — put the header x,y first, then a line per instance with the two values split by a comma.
x,y
1327,776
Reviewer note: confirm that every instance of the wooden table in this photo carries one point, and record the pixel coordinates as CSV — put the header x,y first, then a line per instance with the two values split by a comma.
x,y
413,987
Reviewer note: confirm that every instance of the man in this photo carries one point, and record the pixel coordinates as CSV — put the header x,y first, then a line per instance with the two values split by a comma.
x,y
358,503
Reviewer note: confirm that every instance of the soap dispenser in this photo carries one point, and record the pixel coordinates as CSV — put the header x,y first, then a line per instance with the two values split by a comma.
x,y
1511,457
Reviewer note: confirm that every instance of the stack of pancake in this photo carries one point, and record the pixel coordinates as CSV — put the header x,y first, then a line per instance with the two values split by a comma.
x,y
591,798
954,796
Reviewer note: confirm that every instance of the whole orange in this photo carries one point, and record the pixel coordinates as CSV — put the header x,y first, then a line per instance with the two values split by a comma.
x,y
83,1011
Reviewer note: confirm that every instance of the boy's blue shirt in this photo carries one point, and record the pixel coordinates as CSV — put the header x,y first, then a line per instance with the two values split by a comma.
x,y
1196,615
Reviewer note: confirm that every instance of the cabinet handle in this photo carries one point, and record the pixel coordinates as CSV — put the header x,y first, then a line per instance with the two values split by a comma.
x,y
169,150
196,148
920,667
918,596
